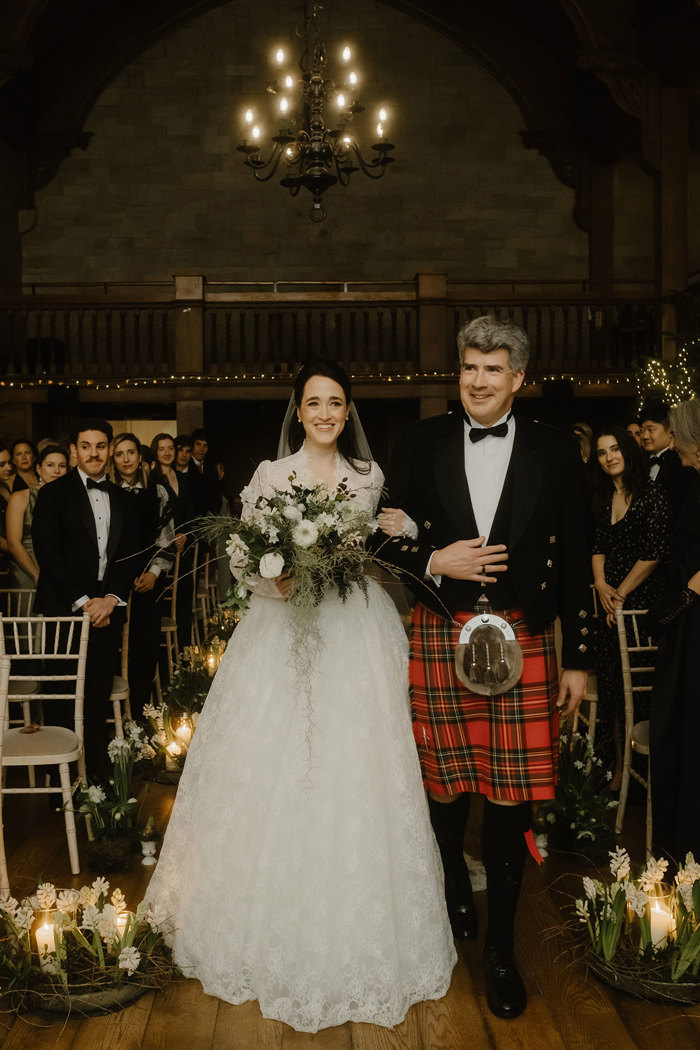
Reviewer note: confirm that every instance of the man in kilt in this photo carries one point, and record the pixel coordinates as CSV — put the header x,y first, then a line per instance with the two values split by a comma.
x,y
496,505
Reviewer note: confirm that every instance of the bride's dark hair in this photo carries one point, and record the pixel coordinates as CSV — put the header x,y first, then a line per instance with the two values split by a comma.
x,y
347,441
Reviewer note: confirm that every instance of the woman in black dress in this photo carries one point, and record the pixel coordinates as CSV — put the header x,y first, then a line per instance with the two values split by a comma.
x,y
675,703
182,510
633,521
152,566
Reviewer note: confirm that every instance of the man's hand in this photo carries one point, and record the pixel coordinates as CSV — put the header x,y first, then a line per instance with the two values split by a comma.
x,y
468,560
572,689
145,582
100,609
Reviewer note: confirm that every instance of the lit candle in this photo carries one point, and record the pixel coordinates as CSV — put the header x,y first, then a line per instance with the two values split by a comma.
x,y
347,54
288,82
284,105
46,942
184,732
352,79
341,100
249,116
211,665
279,56
172,752
661,921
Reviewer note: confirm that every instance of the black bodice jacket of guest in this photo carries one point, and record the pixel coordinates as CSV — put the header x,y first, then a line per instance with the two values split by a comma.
x,y
541,517
65,545
675,702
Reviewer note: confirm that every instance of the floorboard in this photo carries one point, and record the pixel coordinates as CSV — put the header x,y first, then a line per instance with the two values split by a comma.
x,y
567,1010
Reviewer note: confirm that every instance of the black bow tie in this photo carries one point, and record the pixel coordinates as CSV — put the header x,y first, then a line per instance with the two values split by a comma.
x,y
654,459
103,486
479,433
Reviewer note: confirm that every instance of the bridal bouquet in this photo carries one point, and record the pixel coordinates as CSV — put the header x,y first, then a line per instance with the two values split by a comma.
x,y
306,532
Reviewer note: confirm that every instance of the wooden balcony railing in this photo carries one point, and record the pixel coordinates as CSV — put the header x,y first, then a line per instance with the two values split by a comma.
x,y
191,328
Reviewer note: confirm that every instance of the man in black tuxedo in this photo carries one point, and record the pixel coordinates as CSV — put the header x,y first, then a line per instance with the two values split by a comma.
x,y
665,466
495,505
84,537
204,480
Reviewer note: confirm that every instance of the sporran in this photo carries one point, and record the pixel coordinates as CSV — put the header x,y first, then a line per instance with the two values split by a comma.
x,y
488,658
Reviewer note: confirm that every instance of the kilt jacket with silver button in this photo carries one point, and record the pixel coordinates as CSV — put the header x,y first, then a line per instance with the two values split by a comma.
x,y
541,517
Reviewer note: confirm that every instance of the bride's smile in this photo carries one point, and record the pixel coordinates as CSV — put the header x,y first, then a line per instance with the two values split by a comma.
x,y
323,412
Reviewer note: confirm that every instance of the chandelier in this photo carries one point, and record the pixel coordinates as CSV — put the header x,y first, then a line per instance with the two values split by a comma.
x,y
315,142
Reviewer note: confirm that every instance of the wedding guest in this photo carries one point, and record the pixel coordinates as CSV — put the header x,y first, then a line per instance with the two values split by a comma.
x,y
206,491
635,430
665,466
675,711
633,521
24,460
84,539
152,564
499,505
52,463
181,510
5,493
183,453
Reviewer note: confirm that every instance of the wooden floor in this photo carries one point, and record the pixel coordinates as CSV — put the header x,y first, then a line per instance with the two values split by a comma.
x,y
566,1011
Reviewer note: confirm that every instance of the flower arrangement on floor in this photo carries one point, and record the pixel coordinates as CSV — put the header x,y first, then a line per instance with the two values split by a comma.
x,y
171,725
79,950
112,808
307,532
222,624
643,935
575,816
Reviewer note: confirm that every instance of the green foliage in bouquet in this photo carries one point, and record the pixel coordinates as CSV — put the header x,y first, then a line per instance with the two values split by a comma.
x,y
582,795
316,536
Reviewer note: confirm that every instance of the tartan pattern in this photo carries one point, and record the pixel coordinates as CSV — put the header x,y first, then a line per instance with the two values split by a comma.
x,y
505,747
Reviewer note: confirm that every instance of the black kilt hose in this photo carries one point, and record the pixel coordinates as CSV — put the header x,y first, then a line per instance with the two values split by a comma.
x,y
503,746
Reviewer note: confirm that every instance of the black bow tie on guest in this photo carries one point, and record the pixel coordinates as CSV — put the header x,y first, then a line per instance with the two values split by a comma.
x,y
479,433
103,486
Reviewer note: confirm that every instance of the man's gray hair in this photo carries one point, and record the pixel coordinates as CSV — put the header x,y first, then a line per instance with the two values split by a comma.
x,y
487,333
685,424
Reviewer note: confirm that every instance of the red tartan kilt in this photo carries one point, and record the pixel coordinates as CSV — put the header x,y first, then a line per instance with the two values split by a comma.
x,y
504,746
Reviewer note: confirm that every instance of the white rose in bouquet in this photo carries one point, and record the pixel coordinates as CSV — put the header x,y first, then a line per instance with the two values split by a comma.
x,y
271,565
292,512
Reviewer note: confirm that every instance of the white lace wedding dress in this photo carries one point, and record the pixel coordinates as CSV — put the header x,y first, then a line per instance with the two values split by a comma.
x,y
316,889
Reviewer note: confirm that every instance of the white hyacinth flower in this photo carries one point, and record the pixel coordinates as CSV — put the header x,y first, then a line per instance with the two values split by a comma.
x,y
636,898
129,959
100,886
46,895
91,917
620,863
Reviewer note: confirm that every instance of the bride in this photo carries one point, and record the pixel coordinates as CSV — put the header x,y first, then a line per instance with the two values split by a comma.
x,y
317,891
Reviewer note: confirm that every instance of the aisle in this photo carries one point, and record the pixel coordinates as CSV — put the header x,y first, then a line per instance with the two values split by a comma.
x,y
566,1011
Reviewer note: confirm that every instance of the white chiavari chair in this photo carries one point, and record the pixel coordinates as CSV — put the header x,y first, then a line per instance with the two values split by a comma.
x,y
636,679
49,650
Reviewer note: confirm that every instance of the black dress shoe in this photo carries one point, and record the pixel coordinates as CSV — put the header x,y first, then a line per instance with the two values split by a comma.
x,y
461,910
505,991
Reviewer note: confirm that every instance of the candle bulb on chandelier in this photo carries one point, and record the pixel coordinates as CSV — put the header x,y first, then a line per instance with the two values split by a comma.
x,y
352,79
341,100
347,54
249,117
288,82
284,106
279,56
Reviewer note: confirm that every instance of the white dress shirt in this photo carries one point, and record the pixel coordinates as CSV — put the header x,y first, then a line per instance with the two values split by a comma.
x,y
656,467
99,504
486,464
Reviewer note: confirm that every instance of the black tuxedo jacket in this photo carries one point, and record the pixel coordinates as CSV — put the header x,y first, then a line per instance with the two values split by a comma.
x,y
542,518
205,487
674,477
65,545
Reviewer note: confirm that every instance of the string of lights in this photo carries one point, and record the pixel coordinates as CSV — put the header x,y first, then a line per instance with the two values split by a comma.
x,y
131,383
673,381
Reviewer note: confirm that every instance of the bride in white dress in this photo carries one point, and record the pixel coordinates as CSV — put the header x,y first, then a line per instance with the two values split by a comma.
x,y
316,889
